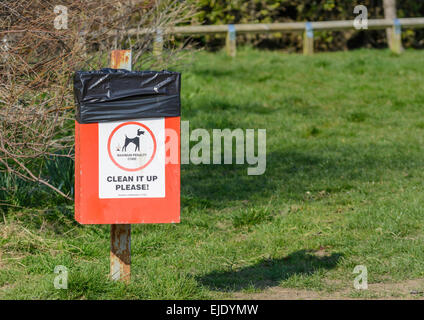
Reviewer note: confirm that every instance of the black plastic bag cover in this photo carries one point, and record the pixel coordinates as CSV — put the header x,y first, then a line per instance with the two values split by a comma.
x,y
117,94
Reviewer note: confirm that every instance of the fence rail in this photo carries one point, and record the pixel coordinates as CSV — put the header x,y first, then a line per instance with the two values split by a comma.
x,y
281,27
308,28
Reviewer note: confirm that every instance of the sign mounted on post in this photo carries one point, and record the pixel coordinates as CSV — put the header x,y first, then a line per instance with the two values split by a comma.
x,y
125,120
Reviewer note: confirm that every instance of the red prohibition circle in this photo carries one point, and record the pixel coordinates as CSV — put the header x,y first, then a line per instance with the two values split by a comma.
x,y
110,139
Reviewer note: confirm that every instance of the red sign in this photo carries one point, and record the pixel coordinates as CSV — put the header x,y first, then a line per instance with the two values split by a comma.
x,y
123,174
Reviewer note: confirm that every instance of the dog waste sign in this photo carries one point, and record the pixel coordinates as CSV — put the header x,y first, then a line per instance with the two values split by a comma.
x,y
127,128
132,159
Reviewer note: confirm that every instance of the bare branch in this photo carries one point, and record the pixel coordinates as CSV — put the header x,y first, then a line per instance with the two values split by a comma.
x,y
37,62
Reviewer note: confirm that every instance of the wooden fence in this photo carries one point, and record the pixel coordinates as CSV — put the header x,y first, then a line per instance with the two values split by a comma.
x,y
307,28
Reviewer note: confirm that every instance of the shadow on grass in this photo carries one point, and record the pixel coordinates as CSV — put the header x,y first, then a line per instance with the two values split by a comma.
x,y
270,272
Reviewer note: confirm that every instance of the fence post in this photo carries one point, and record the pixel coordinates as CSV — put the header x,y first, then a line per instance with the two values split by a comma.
x,y
120,234
81,43
396,40
308,40
389,14
82,36
231,44
158,43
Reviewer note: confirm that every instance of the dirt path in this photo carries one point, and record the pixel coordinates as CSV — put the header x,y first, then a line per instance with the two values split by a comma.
x,y
409,289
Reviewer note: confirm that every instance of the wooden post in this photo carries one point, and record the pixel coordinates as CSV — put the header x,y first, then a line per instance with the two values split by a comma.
x,y
231,44
389,14
158,43
120,252
308,40
81,43
120,234
396,41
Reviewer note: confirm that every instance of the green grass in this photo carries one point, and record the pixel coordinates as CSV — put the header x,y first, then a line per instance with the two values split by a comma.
x,y
343,187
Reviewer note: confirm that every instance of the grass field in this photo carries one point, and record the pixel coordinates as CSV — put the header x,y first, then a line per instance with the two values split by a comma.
x,y
343,187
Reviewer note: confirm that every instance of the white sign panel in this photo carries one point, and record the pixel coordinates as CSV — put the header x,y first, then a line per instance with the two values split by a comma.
x,y
132,159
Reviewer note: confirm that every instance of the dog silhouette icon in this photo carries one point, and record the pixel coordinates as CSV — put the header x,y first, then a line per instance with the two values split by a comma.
x,y
135,140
